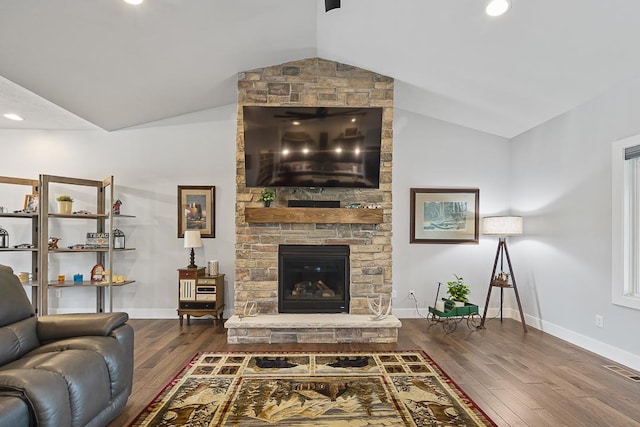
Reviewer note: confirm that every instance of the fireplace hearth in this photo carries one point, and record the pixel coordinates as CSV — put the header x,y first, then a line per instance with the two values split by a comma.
x,y
313,279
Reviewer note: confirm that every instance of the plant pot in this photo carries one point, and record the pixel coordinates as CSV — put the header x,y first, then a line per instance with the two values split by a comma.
x,y
267,203
65,208
458,303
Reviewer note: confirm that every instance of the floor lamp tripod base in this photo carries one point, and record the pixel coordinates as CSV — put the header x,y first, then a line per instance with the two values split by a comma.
x,y
502,253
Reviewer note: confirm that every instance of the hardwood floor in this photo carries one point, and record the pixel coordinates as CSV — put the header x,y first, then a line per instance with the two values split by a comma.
x,y
518,379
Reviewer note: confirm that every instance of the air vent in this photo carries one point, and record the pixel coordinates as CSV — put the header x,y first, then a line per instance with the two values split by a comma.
x,y
633,376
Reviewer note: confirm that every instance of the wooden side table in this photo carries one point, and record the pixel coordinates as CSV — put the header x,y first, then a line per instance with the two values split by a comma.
x,y
199,294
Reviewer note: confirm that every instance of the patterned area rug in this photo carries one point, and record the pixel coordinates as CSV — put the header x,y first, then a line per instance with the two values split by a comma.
x,y
312,389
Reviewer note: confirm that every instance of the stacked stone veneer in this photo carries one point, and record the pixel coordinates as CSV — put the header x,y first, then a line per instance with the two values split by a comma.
x,y
313,82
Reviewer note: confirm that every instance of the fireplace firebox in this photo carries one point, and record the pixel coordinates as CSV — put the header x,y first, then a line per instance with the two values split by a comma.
x,y
313,279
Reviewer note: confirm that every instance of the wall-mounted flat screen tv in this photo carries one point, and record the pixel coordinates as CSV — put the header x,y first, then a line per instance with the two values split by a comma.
x,y
312,146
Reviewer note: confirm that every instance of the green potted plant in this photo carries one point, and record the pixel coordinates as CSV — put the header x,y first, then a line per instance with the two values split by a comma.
x,y
458,291
65,204
267,196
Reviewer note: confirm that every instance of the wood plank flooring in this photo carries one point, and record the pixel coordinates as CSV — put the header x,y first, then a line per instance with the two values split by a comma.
x,y
518,379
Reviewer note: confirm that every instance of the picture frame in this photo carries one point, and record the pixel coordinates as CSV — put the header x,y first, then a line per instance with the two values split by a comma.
x,y
444,215
31,202
196,210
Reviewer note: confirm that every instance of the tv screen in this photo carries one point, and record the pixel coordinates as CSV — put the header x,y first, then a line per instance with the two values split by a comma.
x,y
312,146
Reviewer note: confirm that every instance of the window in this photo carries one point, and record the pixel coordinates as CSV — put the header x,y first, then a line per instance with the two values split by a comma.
x,y
625,220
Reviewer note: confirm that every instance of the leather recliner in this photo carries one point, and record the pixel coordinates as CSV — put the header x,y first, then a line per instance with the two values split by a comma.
x,y
60,370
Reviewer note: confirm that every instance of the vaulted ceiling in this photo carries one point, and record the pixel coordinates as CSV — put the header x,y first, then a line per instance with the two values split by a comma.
x,y
78,64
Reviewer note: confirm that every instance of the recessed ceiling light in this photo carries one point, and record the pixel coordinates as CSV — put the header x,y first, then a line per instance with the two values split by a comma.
x,y
12,116
134,2
497,7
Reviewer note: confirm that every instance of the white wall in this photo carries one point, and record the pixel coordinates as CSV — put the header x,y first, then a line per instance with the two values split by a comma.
x,y
562,185
199,149
431,153
558,176
148,163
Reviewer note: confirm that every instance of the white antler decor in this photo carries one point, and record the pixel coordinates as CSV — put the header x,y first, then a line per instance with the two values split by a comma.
x,y
250,309
377,308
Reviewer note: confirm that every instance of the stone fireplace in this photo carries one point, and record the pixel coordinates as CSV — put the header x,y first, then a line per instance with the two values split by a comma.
x,y
313,279
261,232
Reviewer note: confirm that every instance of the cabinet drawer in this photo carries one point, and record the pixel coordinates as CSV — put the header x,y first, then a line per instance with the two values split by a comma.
x,y
185,305
184,274
207,281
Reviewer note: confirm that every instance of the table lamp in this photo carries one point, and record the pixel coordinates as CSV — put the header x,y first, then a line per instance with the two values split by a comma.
x,y
192,240
502,226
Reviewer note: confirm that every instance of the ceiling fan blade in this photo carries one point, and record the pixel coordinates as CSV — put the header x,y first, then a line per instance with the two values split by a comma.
x,y
294,115
347,113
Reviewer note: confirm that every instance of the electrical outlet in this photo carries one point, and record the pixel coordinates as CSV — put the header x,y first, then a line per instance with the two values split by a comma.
x,y
412,294
599,321
58,293
394,294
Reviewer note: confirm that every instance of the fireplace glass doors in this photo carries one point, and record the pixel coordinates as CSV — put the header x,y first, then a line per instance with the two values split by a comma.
x,y
313,279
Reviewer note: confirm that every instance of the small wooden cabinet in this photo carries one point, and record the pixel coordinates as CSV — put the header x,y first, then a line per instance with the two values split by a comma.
x,y
199,294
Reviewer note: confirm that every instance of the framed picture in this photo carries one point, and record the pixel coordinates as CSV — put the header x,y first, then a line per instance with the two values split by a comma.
x,y
31,202
196,209
444,215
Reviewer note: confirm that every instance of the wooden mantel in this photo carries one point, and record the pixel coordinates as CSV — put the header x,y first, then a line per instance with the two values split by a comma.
x,y
313,215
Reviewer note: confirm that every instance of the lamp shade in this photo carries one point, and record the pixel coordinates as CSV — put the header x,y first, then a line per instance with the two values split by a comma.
x,y
192,239
502,225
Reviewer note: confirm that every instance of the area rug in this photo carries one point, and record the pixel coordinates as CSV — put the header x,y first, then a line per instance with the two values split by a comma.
x,y
312,389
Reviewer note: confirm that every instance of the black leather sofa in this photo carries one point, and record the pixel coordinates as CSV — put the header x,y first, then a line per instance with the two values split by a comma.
x,y
60,370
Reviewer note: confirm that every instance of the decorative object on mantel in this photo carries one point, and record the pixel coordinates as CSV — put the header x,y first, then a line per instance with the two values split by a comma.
x,y
377,308
458,291
65,204
267,196
502,226
192,240
353,205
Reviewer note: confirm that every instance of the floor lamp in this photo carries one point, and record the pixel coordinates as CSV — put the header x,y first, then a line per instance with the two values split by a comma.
x,y
502,226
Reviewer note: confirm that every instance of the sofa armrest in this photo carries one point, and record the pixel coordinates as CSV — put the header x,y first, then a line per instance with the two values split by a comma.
x,y
13,410
45,392
61,326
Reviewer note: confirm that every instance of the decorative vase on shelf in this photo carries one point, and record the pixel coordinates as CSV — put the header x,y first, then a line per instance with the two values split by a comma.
x,y
65,205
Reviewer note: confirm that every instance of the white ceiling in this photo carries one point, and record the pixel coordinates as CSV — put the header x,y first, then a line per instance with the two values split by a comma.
x,y
78,64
